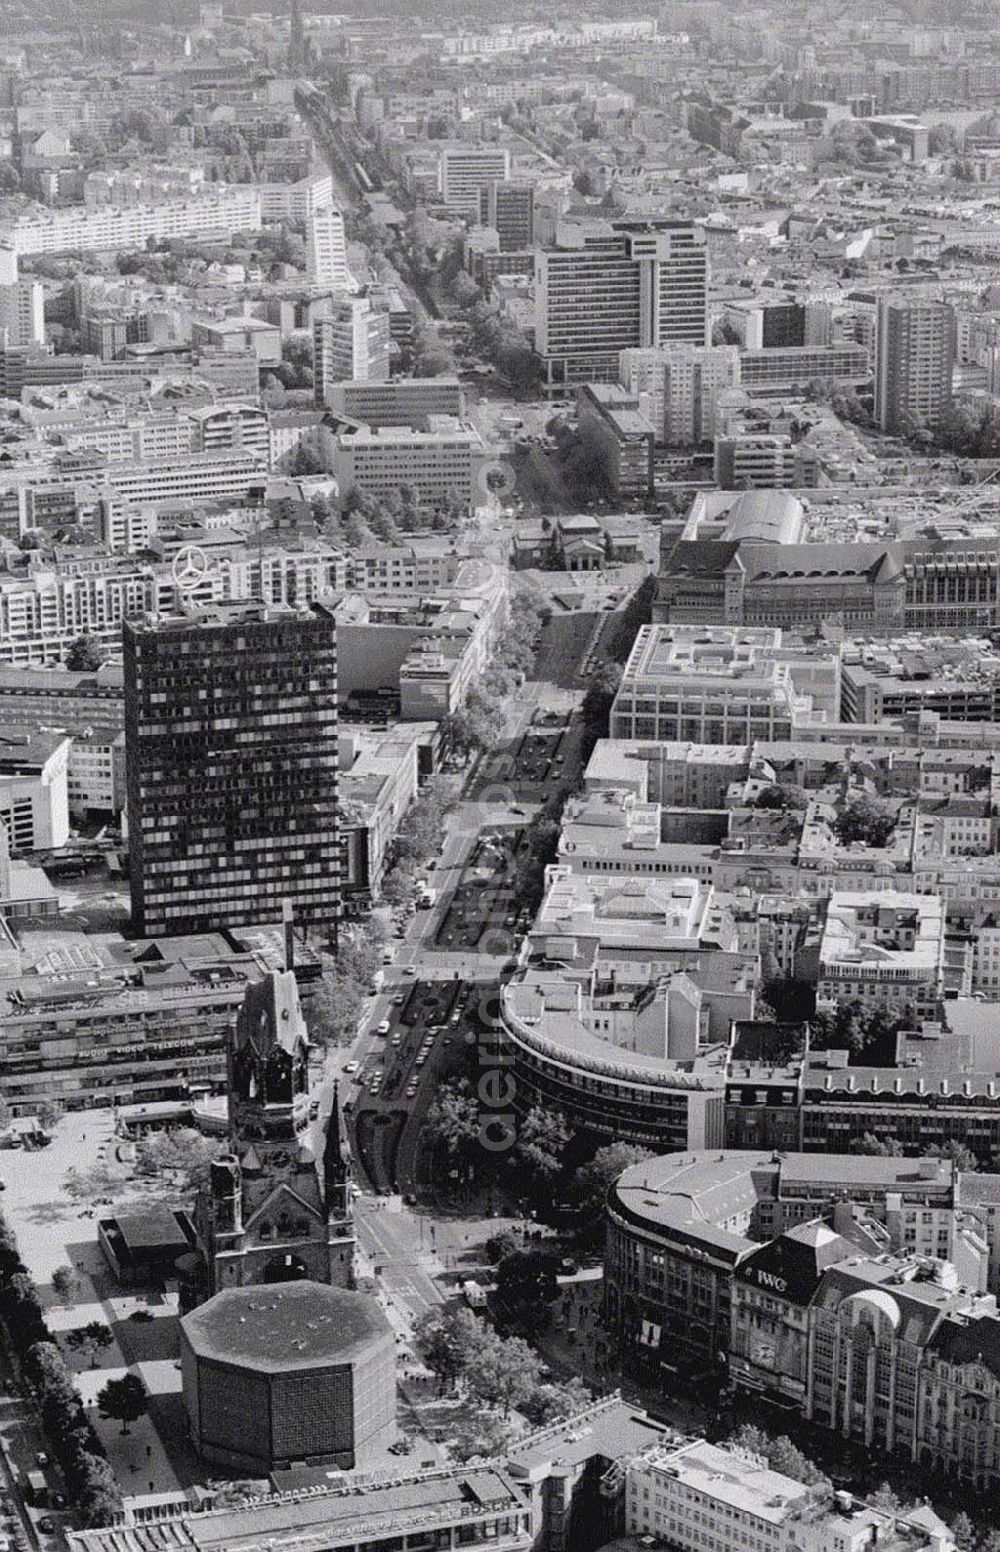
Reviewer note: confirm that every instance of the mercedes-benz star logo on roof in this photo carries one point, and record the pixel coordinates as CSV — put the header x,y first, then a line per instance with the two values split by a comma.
x,y
190,567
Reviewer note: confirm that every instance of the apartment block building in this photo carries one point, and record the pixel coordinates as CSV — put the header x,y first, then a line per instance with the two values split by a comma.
x,y
22,314
622,437
41,615
678,387
326,249
914,354
386,568
352,344
675,774
118,228
298,200
129,438
883,950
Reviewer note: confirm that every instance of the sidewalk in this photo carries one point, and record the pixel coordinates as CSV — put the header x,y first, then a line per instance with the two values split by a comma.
x,y
139,1458
53,1230
588,1356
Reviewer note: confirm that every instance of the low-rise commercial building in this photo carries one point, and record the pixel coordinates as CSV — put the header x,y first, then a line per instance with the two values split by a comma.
x,y
580,1054
885,951
690,1494
54,696
377,782
611,835
680,1228
620,1015
402,401
712,684
789,369
444,1507
943,1091
89,1019
887,680
34,787
441,462
756,463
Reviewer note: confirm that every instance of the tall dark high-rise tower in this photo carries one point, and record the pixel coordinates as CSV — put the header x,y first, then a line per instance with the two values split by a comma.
x,y
231,754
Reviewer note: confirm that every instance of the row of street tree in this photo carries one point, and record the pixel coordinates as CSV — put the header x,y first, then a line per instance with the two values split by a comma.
x,y
90,1482
498,1375
481,722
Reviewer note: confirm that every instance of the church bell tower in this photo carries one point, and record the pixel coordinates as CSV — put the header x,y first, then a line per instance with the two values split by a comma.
x,y
270,1213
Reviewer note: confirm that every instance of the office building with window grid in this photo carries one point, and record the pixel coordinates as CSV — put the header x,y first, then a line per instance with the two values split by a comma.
x,y
231,752
609,286
464,171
